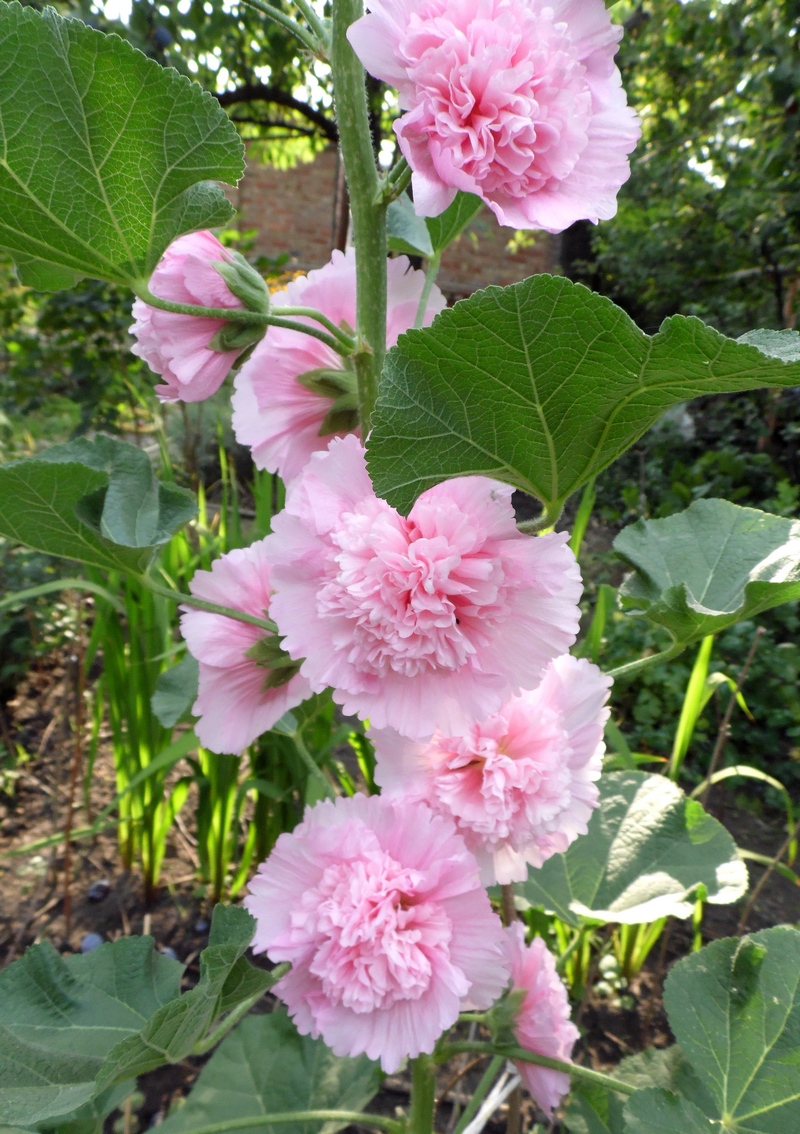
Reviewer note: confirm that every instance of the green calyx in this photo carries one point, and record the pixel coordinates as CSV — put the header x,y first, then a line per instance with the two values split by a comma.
x,y
244,282
279,668
501,1018
340,387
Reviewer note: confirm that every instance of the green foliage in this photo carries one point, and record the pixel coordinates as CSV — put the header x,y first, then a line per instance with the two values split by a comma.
x,y
95,501
424,237
62,1016
709,567
541,384
266,1068
75,1027
708,222
176,691
647,851
660,1112
120,159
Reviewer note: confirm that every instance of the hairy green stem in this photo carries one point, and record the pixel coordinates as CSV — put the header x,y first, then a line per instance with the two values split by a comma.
x,y
341,344
631,668
314,21
201,604
346,340
343,1117
315,47
482,1089
423,1095
521,1055
548,519
395,183
369,211
430,279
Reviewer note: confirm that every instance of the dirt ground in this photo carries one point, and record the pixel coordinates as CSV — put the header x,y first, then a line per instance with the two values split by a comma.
x,y
107,900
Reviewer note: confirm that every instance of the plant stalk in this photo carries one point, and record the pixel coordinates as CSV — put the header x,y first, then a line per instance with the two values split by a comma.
x,y
368,210
423,1093
521,1055
342,1117
635,667
201,604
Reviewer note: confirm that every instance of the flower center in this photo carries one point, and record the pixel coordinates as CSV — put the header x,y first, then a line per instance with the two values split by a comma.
x,y
504,783
413,602
374,941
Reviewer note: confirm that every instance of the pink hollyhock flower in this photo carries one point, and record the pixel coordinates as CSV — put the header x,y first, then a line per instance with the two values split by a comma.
x,y
378,907
421,623
177,346
239,695
520,785
275,414
518,101
542,1022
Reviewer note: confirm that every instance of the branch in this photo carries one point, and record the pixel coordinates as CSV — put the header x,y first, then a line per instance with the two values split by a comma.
x,y
263,92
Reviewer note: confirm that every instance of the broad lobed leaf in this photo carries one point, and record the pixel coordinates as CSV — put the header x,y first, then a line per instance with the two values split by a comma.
x,y
107,156
542,385
95,501
647,850
76,1029
708,567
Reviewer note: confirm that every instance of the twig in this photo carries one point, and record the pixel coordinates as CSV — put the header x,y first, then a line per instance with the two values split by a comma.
x,y
724,728
762,880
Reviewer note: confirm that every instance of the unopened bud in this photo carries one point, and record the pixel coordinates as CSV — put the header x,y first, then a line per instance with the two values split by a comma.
x,y
244,282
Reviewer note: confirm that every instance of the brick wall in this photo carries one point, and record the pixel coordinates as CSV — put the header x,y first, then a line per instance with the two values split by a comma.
x,y
293,211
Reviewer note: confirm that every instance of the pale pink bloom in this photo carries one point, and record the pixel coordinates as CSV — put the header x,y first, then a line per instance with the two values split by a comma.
x,y
421,623
520,785
518,101
176,346
378,907
273,413
542,1024
233,703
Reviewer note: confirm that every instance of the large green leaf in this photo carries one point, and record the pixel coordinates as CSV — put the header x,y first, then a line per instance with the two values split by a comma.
x,y
95,501
541,384
265,1067
714,564
226,979
655,1111
647,851
61,1015
73,1028
734,1008
107,156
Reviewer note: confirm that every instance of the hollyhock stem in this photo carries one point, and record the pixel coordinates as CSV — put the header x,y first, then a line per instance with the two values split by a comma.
x,y
423,1094
342,1117
369,211
313,45
341,343
347,341
314,21
201,604
430,280
522,1055
548,519
633,667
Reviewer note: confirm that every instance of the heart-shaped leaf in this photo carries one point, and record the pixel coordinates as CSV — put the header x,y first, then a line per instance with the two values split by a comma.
x,y
706,568
655,1111
264,1068
96,501
647,851
61,1015
542,385
107,156
734,1008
